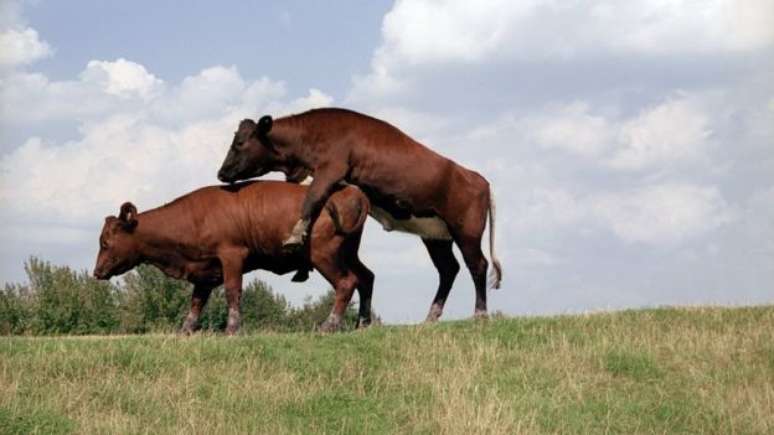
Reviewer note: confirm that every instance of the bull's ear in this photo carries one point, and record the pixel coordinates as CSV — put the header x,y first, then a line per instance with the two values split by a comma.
x,y
128,215
264,125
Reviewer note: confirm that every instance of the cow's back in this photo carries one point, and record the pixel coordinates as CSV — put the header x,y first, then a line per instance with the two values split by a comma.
x,y
259,214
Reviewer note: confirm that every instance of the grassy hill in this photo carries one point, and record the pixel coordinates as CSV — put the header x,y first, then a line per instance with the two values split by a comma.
x,y
665,370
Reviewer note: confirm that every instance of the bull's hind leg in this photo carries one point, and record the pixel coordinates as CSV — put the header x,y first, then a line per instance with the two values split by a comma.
x,y
199,297
365,289
477,265
467,233
443,259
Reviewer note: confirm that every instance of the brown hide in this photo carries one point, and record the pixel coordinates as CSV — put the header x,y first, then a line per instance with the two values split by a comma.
x,y
215,234
410,187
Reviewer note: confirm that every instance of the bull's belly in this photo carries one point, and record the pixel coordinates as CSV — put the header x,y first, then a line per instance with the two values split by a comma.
x,y
425,227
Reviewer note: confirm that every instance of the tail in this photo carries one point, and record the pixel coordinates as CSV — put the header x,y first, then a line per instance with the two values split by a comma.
x,y
343,224
496,275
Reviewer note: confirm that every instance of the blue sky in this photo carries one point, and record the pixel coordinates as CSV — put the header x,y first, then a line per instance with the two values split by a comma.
x,y
630,146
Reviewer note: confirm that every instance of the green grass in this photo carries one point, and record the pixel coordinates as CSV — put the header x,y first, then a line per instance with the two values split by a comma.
x,y
667,371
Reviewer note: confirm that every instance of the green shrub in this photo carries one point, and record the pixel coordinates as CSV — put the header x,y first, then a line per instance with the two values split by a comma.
x,y
15,309
58,300
153,301
69,302
261,309
315,311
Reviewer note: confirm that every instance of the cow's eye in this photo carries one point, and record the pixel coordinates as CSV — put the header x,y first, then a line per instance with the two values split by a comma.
x,y
103,244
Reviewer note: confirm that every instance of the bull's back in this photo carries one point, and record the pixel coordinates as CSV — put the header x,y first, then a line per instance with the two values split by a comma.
x,y
382,155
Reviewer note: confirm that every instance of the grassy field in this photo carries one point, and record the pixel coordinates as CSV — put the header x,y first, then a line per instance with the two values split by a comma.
x,y
666,370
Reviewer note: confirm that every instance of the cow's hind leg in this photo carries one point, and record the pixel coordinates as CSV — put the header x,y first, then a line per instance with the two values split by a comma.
x,y
345,285
335,267
199,297
443,259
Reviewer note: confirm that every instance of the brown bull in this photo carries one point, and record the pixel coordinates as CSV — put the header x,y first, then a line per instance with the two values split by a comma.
x,y
411,188
215,234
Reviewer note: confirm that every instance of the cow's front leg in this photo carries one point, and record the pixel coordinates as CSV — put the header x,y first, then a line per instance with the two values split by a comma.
x,y
319,191
232,260
198,300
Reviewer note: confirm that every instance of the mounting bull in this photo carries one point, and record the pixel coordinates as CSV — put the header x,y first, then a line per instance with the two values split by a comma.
x,y
215,234
411,188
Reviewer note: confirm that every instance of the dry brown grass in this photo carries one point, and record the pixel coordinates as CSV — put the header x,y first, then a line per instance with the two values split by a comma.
x,y
657,371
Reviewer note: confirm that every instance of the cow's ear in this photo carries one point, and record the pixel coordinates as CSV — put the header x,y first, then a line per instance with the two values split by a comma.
x,y
128,215
264,125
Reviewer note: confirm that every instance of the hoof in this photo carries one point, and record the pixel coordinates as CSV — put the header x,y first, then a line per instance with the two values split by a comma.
x,y
231,332
363,323
481,315
185,332
434,314
189,327
328,327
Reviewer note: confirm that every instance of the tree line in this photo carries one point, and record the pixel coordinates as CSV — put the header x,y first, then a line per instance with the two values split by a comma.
x,y
60,300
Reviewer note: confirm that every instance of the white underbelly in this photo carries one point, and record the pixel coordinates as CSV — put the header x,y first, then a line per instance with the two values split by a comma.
x,y
425,227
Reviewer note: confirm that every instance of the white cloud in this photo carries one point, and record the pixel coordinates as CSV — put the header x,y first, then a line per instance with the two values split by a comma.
x,y
21,47
665,213
571,128
672,131
128,150
122,78
32,97
660,214
431,32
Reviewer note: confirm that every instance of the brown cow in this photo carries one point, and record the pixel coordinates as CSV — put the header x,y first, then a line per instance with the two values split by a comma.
x,y
213,235
411,188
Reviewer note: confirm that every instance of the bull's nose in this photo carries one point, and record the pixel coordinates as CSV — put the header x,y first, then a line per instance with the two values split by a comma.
x,y
222,176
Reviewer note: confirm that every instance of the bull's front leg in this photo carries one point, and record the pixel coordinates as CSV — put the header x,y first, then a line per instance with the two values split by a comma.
x,y
199,297
232,261
319,191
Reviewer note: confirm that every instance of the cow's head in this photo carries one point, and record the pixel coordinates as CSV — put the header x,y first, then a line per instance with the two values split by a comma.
x,y
252,153
118,250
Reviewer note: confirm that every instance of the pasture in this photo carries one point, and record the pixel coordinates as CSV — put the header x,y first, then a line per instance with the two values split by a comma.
x,y
707,370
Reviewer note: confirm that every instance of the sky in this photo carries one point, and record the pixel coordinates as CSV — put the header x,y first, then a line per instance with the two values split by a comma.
x,y
630,145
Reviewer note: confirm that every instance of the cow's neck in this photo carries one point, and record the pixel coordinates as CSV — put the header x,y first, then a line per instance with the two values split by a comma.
x,y
156,246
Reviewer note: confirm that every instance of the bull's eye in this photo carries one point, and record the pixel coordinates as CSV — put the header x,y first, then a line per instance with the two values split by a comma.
x,y
103,244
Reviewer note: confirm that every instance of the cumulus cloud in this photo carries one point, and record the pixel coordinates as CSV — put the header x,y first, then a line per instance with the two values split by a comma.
x,y
664,213
122,78
667,133
421,33
147,153
21,47
103,88
672,131
619,139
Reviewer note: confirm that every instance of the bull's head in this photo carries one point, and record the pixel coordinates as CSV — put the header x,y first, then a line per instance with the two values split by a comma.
x,y
118,250
252,153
